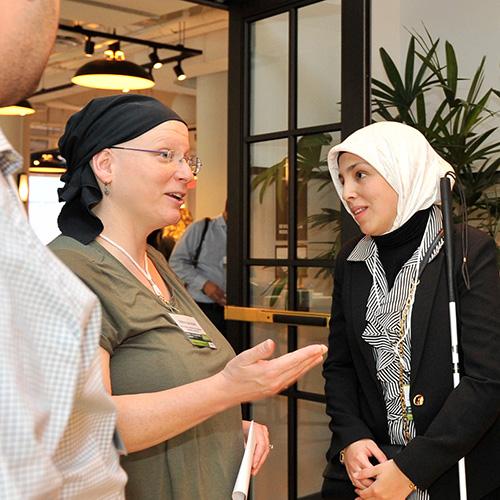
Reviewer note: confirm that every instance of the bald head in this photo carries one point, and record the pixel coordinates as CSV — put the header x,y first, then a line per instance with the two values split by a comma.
x,y
27,34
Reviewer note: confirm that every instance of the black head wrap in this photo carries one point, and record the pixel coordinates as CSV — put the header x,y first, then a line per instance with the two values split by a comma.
x,y
102,123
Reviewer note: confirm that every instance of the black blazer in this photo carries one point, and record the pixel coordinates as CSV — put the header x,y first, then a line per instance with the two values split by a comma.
x,y
450,423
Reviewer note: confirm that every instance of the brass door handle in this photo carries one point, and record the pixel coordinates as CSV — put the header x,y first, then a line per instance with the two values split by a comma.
x,y
281,316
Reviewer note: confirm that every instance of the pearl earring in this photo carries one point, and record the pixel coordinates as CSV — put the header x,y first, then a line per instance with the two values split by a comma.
x,y
106,188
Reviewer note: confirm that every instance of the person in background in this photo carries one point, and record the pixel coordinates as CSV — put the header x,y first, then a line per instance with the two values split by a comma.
x,y
57,421
399,427
199,260
174,378
164,244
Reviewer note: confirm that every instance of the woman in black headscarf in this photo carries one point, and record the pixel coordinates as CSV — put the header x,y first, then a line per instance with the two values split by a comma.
x,y
174,379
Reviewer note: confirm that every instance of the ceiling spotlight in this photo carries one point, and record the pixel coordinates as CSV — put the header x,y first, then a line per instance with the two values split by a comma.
x,y
89,47
22,108
153,57
181,76
119,55
114,52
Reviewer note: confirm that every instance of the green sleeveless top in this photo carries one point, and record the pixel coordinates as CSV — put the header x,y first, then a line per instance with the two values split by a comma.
x,y
150,353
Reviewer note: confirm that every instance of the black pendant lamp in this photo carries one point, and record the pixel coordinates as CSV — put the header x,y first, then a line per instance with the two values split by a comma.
x,y
22,108
113,73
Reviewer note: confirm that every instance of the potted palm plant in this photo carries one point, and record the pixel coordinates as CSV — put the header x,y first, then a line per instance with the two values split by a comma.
x,y
459,127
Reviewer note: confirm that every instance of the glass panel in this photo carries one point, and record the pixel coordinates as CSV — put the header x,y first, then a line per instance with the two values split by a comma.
x,y
318,65
313,441
269,199
313,380
318,206
314,289
272,412
269,75
268,287
44,206
272,480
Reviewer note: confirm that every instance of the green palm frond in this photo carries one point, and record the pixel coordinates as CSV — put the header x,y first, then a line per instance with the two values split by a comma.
x,y
457,127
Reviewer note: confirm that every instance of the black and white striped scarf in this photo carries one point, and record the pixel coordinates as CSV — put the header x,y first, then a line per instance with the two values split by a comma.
x,y
383,316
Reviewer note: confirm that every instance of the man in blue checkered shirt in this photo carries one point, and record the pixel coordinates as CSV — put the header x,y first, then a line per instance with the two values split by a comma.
x,y
57,422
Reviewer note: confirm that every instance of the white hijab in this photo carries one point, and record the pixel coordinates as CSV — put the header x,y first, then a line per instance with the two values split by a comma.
x,y
402,155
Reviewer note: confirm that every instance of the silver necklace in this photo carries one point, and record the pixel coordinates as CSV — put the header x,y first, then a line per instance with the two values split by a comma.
x,y
144,271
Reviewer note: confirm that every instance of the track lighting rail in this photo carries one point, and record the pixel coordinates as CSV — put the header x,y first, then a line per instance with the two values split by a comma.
x,y
185,51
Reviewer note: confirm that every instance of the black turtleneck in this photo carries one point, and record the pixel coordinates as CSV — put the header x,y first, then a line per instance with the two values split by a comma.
x,y
396,247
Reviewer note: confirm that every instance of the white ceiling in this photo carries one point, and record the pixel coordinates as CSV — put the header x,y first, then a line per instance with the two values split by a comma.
x,y
203,28
118,13
167,21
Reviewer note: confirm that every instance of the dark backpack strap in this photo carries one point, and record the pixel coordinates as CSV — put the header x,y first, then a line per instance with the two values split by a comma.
x,y
200,244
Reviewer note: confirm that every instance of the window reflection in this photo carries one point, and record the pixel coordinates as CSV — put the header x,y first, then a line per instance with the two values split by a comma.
x,y
269,199
269,75
318,64
318,209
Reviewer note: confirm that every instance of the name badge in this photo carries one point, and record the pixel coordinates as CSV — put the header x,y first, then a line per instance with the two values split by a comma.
x,y
193,331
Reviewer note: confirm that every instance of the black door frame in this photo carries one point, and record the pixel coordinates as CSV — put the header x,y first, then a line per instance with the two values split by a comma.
x,y
356,97
355,89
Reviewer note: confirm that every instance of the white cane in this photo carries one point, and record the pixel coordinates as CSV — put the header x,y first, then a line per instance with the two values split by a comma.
x,y
448,246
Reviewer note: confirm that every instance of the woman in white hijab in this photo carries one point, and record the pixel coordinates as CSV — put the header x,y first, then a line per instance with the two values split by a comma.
x,y
398,426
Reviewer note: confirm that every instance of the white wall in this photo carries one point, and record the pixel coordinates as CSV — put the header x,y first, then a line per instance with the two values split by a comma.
x,y
386,32
473,29
211,145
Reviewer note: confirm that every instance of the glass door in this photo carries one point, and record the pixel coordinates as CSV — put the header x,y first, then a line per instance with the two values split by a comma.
x,y
289,86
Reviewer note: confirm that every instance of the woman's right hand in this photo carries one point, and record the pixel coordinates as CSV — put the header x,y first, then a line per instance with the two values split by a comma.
x,y
252,376
357,457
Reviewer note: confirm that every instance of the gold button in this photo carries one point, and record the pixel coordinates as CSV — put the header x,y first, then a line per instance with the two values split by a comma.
x,y
418,400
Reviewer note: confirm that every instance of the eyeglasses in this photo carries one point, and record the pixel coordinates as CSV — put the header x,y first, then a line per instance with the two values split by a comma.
x,y
169,155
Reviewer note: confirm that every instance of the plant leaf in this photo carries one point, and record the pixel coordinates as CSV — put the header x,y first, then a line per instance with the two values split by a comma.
x,y
452,73
421,114
391,71
410,64
476,82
